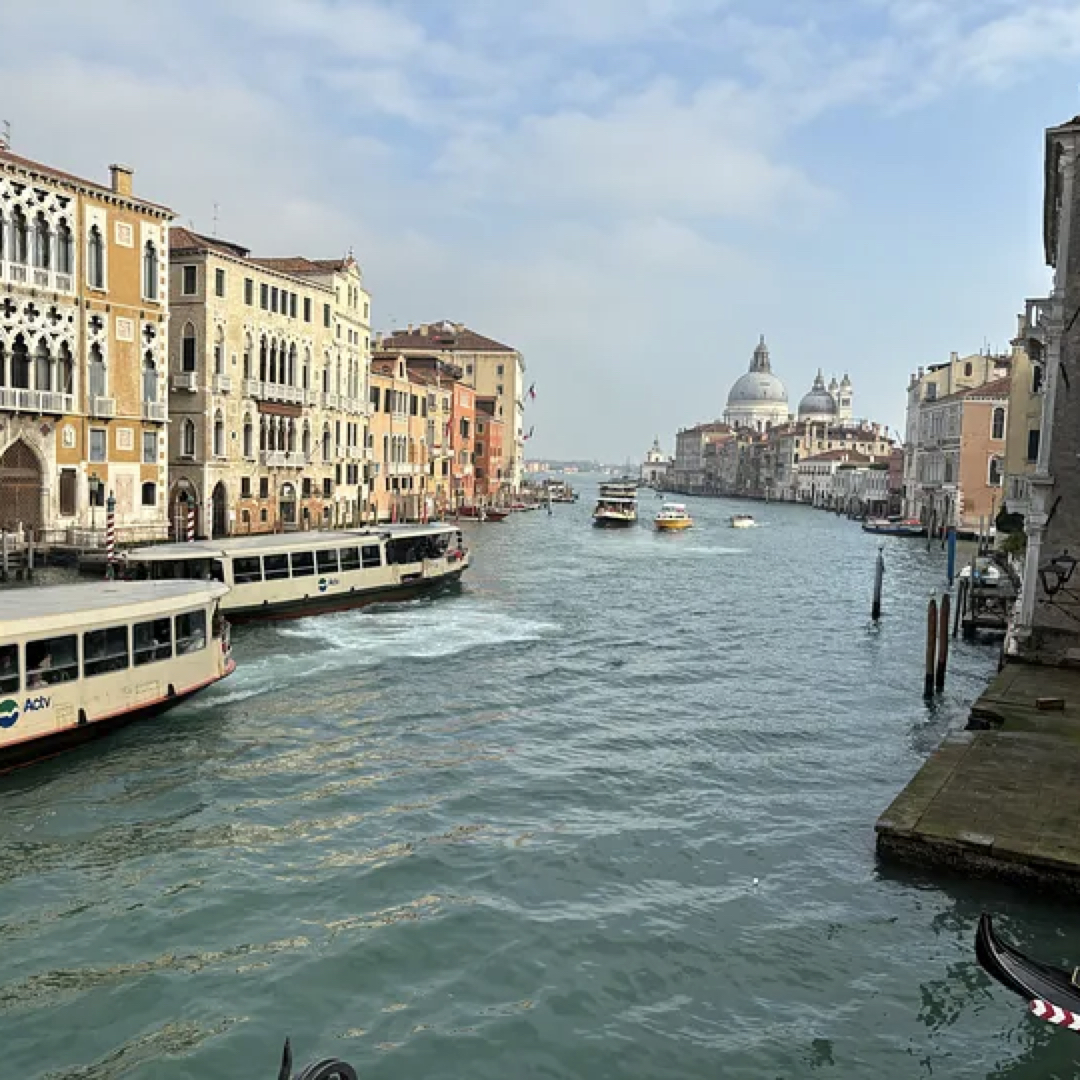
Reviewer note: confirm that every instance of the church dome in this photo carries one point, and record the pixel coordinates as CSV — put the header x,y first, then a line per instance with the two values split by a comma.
x,y
757,386
819,404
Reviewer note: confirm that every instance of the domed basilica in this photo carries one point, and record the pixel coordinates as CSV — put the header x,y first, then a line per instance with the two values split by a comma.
x,y
758,400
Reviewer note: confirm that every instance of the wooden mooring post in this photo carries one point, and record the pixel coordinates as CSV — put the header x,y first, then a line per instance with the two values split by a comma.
x,y
961,600
943,644
879,578
931,647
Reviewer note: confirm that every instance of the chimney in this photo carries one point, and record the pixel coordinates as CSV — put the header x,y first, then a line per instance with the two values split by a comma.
x,y
459,327
423,330
953,357
410,329
378,340
121,178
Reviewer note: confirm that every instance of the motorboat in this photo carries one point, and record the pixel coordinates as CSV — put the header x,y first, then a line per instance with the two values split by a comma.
x,y
1031,979
491,513
987,572
673,518
894,526
743,521
616,506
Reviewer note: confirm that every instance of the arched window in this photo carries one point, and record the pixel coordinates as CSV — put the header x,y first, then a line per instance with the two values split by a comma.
x,y
20,242
248,437
306,440
187,437
187,353
97,372
149,493
3,233
326,443
150,271
219,352
264,436
149,377
65,263
67,370
43,367
292,365
997,428
95,259
306,375
273,362
42,242
219,434
326,377
292,436
262,359
994,472
247,356
3,365
967,369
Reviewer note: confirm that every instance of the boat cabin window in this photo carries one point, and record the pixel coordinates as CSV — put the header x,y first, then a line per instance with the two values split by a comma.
x,y
51,660
303,564
105,650
350,558
153,641
9,669
191,632
187,570
247,570
327,561
372,556
275,567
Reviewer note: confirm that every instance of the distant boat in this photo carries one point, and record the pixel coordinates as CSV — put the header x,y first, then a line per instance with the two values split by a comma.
x,y
894,526
742,521
672,518
490,513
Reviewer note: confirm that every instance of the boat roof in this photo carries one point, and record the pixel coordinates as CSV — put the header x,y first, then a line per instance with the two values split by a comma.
x,y
264,543
673,506
54,608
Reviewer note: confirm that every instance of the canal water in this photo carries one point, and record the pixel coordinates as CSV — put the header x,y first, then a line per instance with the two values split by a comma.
x,y
605,812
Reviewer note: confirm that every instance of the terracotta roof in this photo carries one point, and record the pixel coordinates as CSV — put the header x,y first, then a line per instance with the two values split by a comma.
x,y
48,172
998,388
181,239
442,336
299,264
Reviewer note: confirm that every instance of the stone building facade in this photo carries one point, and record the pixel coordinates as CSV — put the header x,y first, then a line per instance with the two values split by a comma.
x,y
268,363
491,486
83,329
400,412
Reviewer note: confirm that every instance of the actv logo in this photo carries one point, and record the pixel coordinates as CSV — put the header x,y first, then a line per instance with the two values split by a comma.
x,y
9,713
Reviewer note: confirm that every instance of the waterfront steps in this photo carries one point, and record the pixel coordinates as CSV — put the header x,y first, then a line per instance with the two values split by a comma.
x,y
1001,799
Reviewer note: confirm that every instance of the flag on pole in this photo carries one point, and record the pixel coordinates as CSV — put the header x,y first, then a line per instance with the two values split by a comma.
x,y
531,395
530,435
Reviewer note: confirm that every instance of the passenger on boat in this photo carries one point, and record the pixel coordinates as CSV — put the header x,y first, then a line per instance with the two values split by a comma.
x,y
9,669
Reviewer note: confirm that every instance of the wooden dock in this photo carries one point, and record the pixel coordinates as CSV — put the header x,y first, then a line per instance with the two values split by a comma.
x,y
1001,799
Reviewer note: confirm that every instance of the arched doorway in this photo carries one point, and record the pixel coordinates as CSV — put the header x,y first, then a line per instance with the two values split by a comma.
x,y
287,506
20,488
221,510
183,497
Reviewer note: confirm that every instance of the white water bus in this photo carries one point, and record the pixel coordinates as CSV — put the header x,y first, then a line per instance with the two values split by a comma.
x,y
77,661
616,506
285,575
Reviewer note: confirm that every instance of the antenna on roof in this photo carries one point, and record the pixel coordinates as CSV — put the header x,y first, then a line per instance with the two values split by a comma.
x,y
215,220
5,136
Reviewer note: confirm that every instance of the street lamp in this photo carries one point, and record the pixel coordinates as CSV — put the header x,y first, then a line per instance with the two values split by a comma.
x,y
1055,574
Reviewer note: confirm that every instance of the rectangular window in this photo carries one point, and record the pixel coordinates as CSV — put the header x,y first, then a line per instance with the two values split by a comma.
x,y
249,292
307,309
98,444
149,447
245,487
9,669
479,449
190,632
372,555
326,316
388,402
1033,445
273,298
327,487
149,493
292,305
375,395
499,371
275,567
350,558
306,487
68,486
303,564
219,282
245,571
264,488
152,641
327,561
190,284
264,296
51,660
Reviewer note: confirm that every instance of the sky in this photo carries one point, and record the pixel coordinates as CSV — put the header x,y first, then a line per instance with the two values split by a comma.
x,y
629,191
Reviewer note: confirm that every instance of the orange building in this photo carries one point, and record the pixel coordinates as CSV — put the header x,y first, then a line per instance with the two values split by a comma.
x,y
398,424
491,478
463,445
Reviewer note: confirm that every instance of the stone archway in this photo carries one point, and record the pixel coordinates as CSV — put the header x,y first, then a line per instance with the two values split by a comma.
x,y
20,488
182,497
287,506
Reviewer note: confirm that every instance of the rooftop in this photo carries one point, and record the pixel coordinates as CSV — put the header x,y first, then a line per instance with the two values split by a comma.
x,y
442,337
78,602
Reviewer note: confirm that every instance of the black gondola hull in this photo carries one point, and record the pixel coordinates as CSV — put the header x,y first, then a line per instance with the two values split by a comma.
x,y
1028,978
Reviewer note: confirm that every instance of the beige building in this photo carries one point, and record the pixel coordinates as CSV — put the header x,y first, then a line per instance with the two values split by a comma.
x,y
1025,409
489,367
83,325
269,367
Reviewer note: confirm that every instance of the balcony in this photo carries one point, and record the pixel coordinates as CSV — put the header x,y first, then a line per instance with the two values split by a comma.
x,y
102,408
185,380
222,384
282,459
250,387
155,410
40,278
36,401
331,401
268,391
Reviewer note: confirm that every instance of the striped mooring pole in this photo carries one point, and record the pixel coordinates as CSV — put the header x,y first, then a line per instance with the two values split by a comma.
x,y
191,522
110,535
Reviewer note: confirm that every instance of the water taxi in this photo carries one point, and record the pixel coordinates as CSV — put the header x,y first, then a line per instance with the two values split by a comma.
x,y
673,518
616,506
77,661
894,526
743,521
286,575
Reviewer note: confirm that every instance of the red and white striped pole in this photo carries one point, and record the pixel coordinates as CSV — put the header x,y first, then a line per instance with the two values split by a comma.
x,y
1055,1014
191,521
110,535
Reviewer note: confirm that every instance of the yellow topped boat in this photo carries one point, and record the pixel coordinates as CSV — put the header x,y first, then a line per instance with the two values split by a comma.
x,y
673,518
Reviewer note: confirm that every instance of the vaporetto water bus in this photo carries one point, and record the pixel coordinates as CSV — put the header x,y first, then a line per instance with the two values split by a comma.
x,y
284,575
77,661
